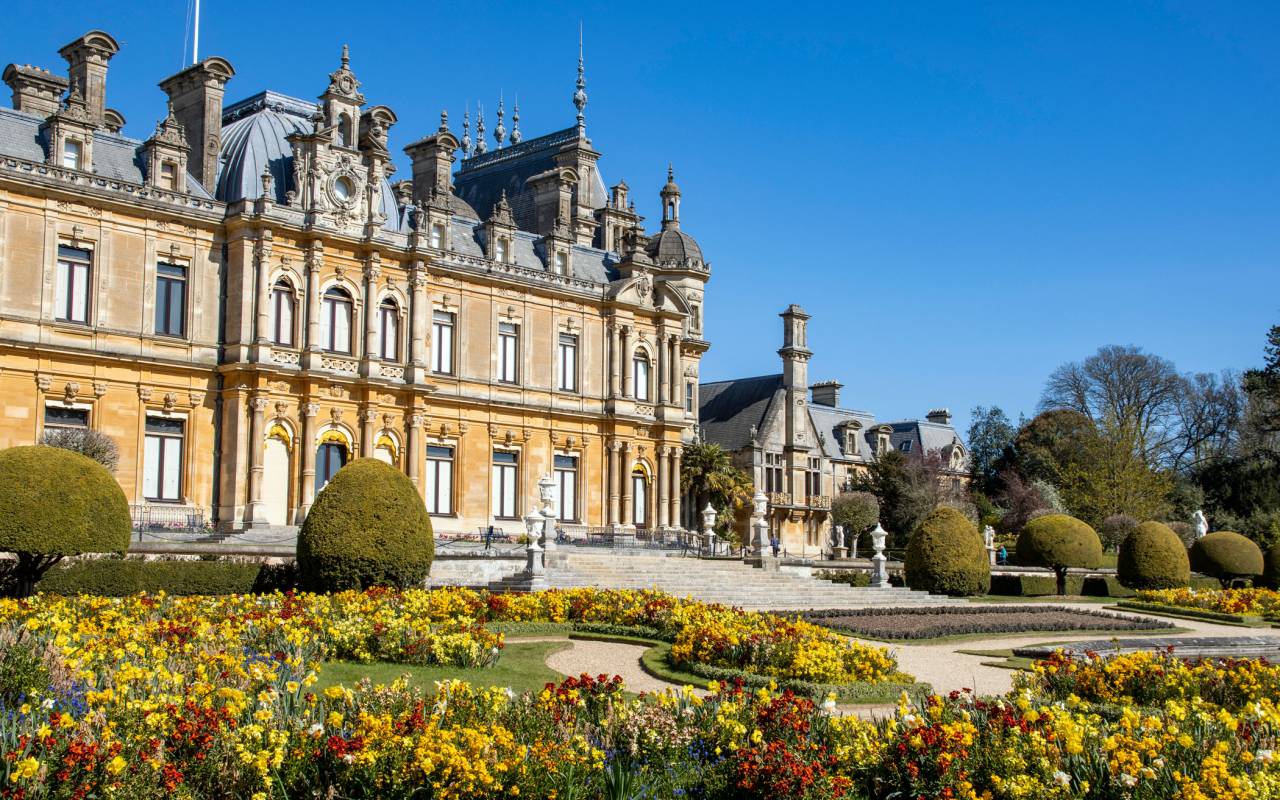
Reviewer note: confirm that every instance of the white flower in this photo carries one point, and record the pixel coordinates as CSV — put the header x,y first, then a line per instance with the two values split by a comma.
x,y
829,705
1265,755
1061,778
1157,762
1128,780
47,703
350,759
316,729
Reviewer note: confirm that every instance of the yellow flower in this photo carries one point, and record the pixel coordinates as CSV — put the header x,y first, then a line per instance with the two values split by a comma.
x,y
116,765
24,769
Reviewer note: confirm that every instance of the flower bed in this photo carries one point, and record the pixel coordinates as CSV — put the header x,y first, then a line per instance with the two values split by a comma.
x,y
928,623
1243,602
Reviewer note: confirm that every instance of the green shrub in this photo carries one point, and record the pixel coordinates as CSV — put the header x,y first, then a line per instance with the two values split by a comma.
x,y
1227,556
112,577
848,577
946,555
856,513
368,527
55,503
1271,572
1059,542
1153,558
1115,529
22,669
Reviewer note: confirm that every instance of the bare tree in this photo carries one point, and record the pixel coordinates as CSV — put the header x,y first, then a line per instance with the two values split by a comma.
x,y
95,445
1209,412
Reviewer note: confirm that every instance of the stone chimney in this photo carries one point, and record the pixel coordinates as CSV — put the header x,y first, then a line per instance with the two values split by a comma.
x,y
826,393
433,163
795,354
87,59
35,90
939,416
196,96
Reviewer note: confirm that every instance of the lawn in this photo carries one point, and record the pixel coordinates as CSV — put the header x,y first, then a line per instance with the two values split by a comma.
x,y
522,666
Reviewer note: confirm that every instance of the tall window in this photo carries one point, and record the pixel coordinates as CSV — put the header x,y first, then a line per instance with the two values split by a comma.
x,y
344,130
439,479
61,418
813,478
442,343
568,362
505,473
71,153
773,472
562,264
437,236
508,352
162,459
171,300
639,500
388,330
282,313
331,457
695,318
641,374
335,321
71,295
688,397
168,175
566,488
500,250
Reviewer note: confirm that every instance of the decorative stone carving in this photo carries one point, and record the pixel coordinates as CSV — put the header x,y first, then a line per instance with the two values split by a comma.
x,y
170,401
70,391
144,394
43,382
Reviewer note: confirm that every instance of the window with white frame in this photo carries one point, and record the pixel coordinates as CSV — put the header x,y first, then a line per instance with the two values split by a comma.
x,y
640,372
562,263
568,362
388,330
500,250
282,313
64,418
505,475
71,295
168,176
639,498
439,479
437,236
442,342
508,352
162,459
566,469
335,320
171,300
688,397
72,152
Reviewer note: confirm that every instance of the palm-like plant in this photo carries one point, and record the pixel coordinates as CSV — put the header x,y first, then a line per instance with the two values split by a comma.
x,y
708,474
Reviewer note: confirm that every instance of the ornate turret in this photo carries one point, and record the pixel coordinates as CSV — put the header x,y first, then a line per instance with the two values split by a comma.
x,y
673,247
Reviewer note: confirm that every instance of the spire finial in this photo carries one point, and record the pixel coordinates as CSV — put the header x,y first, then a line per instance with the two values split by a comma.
x,y
580,96
500,132
671,173
516,136
346,56
466,131
482,146
444,120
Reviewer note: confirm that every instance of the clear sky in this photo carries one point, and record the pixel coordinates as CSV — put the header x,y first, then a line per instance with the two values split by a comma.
x,y
962,195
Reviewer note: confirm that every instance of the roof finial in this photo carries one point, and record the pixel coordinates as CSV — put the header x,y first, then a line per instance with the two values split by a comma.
x,y
500,132
466,131
346,56
580,96
516,136
482,146
671,173
444,120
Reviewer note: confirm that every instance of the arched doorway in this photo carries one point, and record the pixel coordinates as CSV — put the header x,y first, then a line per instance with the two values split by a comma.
x,y
331,457
275,477
640,497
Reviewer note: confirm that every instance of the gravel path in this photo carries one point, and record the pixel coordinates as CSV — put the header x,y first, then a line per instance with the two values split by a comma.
x,y
607,658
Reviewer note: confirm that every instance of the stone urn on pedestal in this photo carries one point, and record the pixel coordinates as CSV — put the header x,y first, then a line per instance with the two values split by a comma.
x,y
535,570
708,529
547,501
879,573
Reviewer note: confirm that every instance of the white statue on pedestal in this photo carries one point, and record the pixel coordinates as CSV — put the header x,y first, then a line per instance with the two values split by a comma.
x,y
1200,523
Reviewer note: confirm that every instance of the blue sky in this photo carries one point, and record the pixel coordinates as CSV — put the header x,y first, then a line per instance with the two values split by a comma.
x,y
964,196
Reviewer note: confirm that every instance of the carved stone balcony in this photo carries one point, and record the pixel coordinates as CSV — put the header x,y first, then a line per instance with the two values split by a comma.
x,y
332,363
820,502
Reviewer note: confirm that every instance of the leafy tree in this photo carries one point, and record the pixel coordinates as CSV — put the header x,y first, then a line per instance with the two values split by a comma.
x,y
905,490
93,444
1263,387
1046,443
1116,528
1023,500
1109,476
990,435
707,473
856,512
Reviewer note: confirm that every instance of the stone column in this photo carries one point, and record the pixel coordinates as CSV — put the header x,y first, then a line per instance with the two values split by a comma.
x,y
614,487
262,257
308,444
254,514
367,416
677,453
414,456
661,369
615,359
624,478
664,479
624,355
677,373
371,273
313,300
420,321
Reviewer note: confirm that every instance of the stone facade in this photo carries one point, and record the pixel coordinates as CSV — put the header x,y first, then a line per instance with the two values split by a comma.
x,y
801,448
244,301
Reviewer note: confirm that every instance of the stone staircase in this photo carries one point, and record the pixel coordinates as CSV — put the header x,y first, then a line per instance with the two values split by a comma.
x,y
716,581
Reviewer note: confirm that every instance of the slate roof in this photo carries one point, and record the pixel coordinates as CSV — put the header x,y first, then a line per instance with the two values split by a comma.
x,y
114,156
482,179
829,421
466,236
729,409
673,244
924,436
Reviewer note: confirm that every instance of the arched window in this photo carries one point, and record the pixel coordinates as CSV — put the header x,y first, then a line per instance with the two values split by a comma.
x,y
388,330
282,313
640,373
344,130
639,498
335,320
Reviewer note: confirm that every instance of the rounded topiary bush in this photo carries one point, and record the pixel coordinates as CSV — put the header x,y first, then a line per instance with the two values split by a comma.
x,y
945,555
1227,556
1059,542
1153,558
55,503
1271,569
368,527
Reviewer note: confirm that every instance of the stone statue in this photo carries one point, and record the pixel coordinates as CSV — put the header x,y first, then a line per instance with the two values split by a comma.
x,y
1200,523
989,537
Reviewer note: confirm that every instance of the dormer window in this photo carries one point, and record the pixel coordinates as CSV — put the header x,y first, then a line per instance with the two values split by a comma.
x,y
883,446
169,176
437,236
905,446
500,250
562,263
71,153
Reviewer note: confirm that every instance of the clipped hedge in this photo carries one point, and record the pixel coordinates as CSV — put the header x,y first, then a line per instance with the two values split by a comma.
x,y
1227,556
1153,558
55,503
1059,542
946,555
112,577
368,527
966,620
846,577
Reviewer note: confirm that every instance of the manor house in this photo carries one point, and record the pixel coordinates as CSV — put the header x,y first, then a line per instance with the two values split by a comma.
x,y
246,299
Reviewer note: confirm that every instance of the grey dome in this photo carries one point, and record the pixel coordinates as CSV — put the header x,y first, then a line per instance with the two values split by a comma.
x,y
673,244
